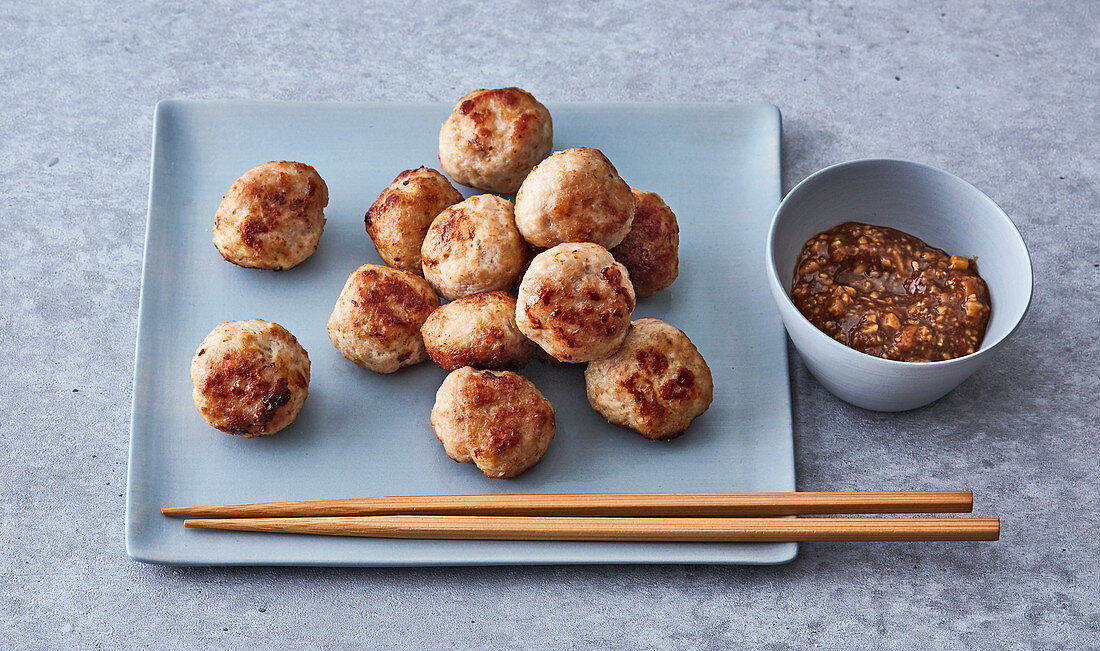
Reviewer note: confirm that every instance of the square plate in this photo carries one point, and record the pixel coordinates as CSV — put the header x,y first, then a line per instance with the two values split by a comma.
x,y
362,434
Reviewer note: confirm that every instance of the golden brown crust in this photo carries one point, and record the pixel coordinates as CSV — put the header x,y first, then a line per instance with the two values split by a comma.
x,y
496,419
474,247
575,195
272,217
250,378
650,249
493,138
479,331
575,302
400,217
656,384
376,321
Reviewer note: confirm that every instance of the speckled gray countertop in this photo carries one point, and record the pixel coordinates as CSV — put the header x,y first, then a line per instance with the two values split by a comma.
x,y
1004,95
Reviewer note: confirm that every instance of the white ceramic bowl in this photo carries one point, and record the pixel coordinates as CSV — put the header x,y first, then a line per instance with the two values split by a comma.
x,y
939,208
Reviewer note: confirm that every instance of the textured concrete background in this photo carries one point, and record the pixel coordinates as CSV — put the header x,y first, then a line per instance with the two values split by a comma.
x,y
1005,96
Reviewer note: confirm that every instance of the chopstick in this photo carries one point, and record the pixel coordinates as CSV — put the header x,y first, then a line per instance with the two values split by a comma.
x,y
679,517
624,529
603,504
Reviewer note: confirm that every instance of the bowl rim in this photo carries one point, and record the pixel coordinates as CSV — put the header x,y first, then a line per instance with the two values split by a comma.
x,y
777,284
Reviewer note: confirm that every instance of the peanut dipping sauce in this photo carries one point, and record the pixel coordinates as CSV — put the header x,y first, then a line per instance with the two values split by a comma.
x,y
888,294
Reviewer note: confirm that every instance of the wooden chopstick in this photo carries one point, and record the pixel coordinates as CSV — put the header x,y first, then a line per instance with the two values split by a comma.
x,y
603,504
453,527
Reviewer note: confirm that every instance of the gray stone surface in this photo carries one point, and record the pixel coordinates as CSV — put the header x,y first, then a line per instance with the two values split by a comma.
x,y
1004,95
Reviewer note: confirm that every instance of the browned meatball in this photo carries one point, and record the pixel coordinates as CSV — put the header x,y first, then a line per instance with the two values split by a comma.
x,y
656,384
650,250
575,195
473,247
376,321
496,419
399,218
250,378
272,217
575,302
479,331
493,138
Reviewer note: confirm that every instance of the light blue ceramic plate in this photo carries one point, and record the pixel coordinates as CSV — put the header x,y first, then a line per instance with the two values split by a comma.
x,y
362,434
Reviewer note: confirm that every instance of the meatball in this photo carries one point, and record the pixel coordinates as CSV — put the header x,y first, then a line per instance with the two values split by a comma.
x,y
575,302
650,250
497,419
474,247
576,195
656,384
494,137
399,218
250,378
376,321
272,217
479,331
